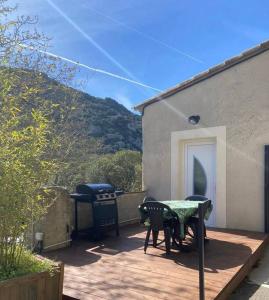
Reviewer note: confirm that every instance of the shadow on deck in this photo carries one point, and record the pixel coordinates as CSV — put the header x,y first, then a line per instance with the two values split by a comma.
x,y
117,268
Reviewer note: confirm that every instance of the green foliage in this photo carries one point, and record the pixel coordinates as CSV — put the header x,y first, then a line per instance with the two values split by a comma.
x,y
51,133
84,126
122,169
113,124
24,169
28,264
85,117
28,139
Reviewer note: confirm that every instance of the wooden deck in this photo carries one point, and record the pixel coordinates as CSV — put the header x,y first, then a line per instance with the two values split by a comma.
x,y
117,268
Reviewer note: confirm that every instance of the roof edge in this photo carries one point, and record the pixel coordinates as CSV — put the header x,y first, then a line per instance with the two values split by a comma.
x,y
245,55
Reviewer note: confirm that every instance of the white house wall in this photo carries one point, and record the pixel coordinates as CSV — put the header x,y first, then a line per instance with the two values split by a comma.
x,y
237,99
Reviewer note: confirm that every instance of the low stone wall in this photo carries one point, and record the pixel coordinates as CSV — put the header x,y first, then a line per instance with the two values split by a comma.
x,y
58,223
127,209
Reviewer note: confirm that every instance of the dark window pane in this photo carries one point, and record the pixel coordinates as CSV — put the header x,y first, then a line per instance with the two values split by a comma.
x,y
199,178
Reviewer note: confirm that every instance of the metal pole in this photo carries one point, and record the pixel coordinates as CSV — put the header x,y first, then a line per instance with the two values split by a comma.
x,y
201,251
76,218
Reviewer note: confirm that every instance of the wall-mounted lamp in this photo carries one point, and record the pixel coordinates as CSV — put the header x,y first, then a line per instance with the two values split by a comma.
x,y
194,120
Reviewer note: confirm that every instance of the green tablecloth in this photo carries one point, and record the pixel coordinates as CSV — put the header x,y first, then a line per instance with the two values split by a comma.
x,y
185,209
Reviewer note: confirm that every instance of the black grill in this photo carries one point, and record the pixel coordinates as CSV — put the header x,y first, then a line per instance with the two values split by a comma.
x,y
103,200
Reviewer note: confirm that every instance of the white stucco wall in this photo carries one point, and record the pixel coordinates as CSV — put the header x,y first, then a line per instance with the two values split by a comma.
x,y
238,99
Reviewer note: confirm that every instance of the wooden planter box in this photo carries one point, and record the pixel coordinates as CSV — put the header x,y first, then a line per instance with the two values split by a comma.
x,y
37,286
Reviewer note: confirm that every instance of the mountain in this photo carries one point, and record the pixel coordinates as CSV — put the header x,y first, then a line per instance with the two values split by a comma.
x,y
110,122
102,120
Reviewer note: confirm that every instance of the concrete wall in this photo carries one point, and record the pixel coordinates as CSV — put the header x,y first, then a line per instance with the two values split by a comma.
x,y
237,98
60,216
128,207
57,224
127,210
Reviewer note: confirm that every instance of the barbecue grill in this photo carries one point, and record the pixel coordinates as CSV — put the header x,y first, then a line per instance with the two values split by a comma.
x,y
103,200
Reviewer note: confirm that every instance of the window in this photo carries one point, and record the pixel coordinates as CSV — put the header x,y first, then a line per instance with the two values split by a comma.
x,y
199,178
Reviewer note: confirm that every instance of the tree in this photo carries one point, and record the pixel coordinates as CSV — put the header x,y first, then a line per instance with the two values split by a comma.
x,y
24,170
28,126
38,146
122,169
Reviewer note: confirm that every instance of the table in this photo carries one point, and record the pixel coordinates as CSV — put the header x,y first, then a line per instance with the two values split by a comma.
x,y
185,209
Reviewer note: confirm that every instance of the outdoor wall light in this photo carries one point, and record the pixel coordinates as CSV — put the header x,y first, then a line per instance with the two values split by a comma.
x,y
194,120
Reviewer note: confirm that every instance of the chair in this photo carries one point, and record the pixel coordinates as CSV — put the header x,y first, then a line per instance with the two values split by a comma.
x,y
193,221
160,217
147,199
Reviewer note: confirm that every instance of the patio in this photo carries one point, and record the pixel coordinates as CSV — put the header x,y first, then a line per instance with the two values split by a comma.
x,y
117,268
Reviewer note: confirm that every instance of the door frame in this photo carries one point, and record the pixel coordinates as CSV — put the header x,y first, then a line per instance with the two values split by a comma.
x,y
178,140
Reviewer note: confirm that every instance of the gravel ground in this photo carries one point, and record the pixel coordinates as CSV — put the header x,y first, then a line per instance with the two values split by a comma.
x,y
250,291
256,286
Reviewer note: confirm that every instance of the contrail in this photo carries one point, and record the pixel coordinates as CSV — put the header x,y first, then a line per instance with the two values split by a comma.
x,y
91,40
91,68
147,36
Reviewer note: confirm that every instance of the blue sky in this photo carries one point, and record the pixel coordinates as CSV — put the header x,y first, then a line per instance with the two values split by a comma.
x,y
156,42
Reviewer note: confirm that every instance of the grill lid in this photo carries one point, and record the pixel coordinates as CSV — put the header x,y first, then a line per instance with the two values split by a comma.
x,y
94,188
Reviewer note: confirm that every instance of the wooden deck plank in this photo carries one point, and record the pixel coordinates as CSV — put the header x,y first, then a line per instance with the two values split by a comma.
x,y
137,283
129,288
117,268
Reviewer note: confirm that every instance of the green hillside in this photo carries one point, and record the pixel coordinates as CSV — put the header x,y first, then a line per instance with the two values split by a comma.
x,y
103,120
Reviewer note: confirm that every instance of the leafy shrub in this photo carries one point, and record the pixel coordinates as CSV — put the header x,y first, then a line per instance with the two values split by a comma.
x,y
24,170
28,264
27,135
121,169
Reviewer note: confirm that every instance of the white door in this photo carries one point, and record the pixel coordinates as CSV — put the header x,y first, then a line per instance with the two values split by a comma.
x,y
200,173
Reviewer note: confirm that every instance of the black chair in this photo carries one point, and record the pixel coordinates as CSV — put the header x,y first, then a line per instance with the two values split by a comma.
x,y
193,221
147,199
160,217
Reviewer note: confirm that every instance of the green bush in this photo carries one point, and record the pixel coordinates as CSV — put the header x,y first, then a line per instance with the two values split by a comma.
x,y
28,264
122,169
27,138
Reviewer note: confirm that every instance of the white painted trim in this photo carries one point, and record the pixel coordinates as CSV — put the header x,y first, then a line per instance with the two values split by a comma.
x,y
177,164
